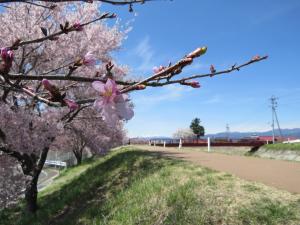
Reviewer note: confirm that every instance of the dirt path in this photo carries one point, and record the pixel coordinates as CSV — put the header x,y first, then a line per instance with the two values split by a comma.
x,y
280,174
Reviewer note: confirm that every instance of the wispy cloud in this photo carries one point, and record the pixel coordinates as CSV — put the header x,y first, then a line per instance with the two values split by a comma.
x,y
146,54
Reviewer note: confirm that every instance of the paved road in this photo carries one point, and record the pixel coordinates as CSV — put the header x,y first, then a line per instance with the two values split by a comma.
x,y
47,177
283,175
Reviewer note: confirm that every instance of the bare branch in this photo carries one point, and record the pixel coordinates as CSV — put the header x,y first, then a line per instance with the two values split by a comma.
x,y
232,69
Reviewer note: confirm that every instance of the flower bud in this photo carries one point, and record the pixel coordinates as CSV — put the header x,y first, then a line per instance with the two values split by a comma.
x,y
47,85
140,87
198,52
158,69
195,84
255,58
89,59
212,69
203,50
7,55
71,104
77,26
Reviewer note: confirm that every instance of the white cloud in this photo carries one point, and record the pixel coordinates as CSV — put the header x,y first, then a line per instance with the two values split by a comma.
x,y
146,53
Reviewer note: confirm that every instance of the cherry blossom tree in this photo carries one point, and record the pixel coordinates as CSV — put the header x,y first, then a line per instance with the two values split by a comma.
x,y
25,137
89,131
185,133
55,60
43,57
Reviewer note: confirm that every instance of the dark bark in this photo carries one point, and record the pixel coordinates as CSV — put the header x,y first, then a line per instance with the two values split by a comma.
x,y
31,195
78,155
31,190
31,167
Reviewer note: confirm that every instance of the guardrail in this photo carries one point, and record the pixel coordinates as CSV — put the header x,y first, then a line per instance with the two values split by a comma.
x,y
56,163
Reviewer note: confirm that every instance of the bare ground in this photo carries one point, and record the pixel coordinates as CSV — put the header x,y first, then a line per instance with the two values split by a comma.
x,y
283,175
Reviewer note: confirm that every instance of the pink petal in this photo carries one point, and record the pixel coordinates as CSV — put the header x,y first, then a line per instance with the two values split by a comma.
x,y
123,108
124,111
109,115
99,104
111,85
99,86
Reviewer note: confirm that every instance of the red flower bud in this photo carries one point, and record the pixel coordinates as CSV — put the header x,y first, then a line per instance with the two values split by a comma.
x,y
140,87
212,69
255,58
7,55
47,85
195,84
77,26
71,104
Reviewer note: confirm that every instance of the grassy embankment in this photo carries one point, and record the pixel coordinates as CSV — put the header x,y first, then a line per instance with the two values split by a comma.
x,y
282,147
139,187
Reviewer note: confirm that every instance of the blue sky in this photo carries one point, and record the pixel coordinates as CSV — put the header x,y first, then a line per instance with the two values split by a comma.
x,y
234,32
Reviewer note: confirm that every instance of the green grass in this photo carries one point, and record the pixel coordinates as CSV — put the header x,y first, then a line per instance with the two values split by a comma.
x,y
131,186
281,146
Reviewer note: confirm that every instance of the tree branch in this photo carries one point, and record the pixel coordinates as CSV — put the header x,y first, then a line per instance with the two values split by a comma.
x,y
62,77
112,2
55,35
232,69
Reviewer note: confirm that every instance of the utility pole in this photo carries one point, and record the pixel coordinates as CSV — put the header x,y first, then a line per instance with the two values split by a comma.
x,y
274,105
227,131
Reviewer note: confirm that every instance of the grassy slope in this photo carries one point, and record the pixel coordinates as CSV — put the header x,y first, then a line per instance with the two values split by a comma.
x,y
137,187
280,146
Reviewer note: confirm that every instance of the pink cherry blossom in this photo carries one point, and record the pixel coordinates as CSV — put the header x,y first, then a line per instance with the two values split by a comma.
x,y
72,105
89,59
112,105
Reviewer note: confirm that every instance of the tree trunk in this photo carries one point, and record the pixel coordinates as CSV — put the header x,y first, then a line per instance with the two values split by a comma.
x,y
78,153
31,190
78,158
30,167
31,195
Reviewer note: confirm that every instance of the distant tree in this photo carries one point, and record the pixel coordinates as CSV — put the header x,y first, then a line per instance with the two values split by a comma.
x,y
197,128
89,131
183,133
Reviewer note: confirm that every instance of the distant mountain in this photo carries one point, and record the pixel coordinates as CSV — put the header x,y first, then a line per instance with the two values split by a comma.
x,y
285,132
152,138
